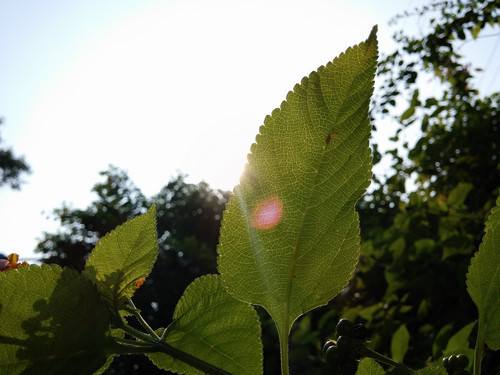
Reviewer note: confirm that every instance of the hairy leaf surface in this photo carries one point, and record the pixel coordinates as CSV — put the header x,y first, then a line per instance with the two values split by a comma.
x,y
483,281
290,235
52,321
122,256
214,327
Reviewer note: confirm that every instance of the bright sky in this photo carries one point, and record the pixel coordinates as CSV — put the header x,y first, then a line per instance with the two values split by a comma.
x,y
153,87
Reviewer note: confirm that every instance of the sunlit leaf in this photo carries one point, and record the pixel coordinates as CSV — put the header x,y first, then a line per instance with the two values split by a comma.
x,y
483,281
290,235
369,366
123,256
52,321
214,327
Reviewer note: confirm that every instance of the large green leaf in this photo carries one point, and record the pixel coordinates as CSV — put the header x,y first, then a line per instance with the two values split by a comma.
x,y
124,255
52,321
483,281
211,325
290,235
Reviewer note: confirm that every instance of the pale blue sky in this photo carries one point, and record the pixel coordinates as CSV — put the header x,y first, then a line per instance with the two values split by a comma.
x,y
154,86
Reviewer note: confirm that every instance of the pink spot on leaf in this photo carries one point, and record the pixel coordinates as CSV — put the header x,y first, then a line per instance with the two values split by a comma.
x,y
267,214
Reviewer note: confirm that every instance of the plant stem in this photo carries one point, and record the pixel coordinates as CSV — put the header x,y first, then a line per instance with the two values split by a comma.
x,y
141,320
478,351
283,337
158,346
367,352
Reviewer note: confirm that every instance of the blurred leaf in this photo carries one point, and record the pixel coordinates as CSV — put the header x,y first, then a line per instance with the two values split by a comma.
x,y
457,195
214,327
483,281
122,256
399,343
408,113
290,235
52,321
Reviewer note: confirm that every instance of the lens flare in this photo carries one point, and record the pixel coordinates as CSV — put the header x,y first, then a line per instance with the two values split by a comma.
x,y
267,214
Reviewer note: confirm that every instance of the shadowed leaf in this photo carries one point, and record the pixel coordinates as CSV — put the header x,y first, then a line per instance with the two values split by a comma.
x,y
52,321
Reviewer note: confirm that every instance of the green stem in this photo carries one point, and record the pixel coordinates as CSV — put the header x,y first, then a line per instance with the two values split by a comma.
x,y
141,320
283,337
159,346
367,352
128,342
478,351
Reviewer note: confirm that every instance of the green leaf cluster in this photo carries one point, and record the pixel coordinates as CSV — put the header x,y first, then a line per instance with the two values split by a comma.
x,y
290,242
55,320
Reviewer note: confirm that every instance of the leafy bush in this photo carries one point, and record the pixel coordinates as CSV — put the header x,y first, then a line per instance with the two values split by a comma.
x,y
290,242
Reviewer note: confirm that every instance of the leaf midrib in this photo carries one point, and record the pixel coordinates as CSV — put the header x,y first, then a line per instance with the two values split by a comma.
x,y
286,323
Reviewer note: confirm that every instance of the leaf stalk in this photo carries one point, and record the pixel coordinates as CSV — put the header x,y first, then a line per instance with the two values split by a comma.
x,y
152,343
367,352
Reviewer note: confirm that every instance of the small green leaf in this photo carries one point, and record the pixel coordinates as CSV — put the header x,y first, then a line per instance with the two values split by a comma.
x,y
211,325
408,113
124,255
368,366
399,343
475,30
290,234
483,281
459,342
458,194
52,321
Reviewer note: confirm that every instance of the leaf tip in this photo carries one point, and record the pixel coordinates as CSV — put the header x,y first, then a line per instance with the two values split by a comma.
x,y
372,38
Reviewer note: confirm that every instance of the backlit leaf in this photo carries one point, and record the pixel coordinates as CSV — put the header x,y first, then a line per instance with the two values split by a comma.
x,y
123,256
483,281
52,321
290,235
368,366
214,327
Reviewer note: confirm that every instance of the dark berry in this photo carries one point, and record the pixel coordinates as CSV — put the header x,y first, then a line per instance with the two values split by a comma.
x,y
446,363
453,362
360,332
327,345
344,343
345,328
462,360
333,356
